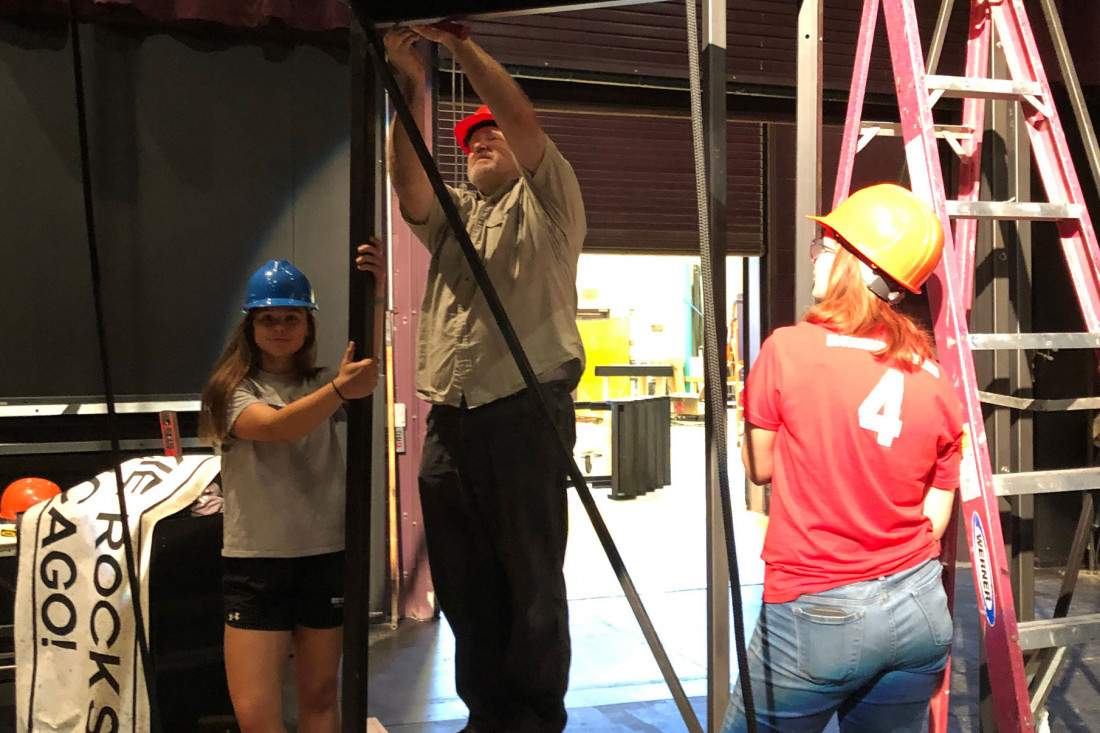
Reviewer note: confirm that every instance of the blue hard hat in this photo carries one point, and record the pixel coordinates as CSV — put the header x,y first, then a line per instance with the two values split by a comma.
x,y
279,283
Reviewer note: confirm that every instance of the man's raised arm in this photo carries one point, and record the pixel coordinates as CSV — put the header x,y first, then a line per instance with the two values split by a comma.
x,y
512,110
414,191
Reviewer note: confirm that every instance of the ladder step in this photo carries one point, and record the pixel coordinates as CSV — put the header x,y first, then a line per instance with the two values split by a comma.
x,y
1016,341
962,86
1024,210
1046,482
1058,632
953,134
893,129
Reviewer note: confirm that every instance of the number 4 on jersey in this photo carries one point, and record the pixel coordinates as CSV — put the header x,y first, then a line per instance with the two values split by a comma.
x,y
881,410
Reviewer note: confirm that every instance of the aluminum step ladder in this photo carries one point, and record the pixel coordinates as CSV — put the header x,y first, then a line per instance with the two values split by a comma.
x,y
1019,686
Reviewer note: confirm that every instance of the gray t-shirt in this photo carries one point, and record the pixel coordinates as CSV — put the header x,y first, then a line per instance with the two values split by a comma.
x,y
283,499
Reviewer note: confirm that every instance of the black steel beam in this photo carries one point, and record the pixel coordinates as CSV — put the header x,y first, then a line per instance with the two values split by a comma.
x,y
386,12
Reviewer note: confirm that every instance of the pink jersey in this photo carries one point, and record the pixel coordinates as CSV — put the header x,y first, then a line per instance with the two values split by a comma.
x,y
858,444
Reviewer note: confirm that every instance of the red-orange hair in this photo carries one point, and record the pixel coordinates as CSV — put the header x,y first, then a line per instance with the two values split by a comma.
x,y
851,309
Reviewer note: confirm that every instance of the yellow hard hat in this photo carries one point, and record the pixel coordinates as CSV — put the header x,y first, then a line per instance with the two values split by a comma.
x,y
893,229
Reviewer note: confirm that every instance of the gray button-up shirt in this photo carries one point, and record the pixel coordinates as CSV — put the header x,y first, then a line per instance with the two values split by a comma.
x,y
529,236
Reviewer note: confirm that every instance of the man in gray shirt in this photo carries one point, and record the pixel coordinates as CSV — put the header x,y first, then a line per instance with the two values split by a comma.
x,y
492,479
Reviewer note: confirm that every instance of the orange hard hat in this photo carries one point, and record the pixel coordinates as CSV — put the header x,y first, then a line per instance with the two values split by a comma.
x,y
467,126
892,229
24,493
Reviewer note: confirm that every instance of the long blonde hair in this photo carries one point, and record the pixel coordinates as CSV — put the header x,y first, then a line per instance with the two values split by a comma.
x,y
850,308
240,359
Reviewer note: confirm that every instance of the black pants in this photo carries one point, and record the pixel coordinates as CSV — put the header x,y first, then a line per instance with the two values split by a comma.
x,y
493,490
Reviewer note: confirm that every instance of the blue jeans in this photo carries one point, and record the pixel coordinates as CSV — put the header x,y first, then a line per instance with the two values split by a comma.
x,y
871,652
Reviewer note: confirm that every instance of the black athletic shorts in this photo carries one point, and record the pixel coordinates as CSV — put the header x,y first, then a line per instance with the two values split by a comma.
x,y
281,593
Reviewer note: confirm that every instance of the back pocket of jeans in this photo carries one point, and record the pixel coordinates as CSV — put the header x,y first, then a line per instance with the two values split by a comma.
x,y
932,601
829,642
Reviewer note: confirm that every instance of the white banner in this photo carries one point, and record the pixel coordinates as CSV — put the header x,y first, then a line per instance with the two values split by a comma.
x,y
78,667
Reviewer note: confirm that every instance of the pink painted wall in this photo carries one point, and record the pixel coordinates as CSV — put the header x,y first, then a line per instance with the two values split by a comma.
x,y
410,266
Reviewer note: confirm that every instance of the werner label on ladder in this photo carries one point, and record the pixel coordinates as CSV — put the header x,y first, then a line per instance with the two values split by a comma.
x,y
970,489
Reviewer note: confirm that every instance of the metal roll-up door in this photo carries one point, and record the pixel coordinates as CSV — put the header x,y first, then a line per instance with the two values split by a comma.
x,y
637,174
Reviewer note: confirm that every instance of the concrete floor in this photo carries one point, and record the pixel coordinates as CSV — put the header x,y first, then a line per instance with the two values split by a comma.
x,y
615,685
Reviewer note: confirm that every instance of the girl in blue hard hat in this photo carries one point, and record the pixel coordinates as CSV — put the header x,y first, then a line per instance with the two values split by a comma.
x,y
271,413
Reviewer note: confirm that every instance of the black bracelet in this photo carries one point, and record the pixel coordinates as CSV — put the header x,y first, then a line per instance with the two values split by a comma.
x,y
337,390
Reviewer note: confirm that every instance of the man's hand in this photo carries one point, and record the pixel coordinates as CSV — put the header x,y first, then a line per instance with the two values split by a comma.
x,y
461,31
446,34
401,52
409,180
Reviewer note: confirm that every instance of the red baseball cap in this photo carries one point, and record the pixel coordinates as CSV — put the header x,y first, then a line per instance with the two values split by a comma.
x,y
467,126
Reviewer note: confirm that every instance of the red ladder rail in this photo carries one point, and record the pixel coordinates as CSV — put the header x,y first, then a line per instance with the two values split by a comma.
x,y
970,162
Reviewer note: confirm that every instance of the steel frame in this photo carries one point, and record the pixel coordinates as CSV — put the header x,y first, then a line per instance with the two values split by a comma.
x,y
356,652
714,11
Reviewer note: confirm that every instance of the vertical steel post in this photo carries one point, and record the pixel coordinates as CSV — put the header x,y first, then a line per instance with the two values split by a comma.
x,y
1001,303
1010,260
366,110
713,84
807,198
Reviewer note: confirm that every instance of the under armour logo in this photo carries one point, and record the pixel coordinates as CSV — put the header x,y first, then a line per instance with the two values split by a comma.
x,y
235,616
